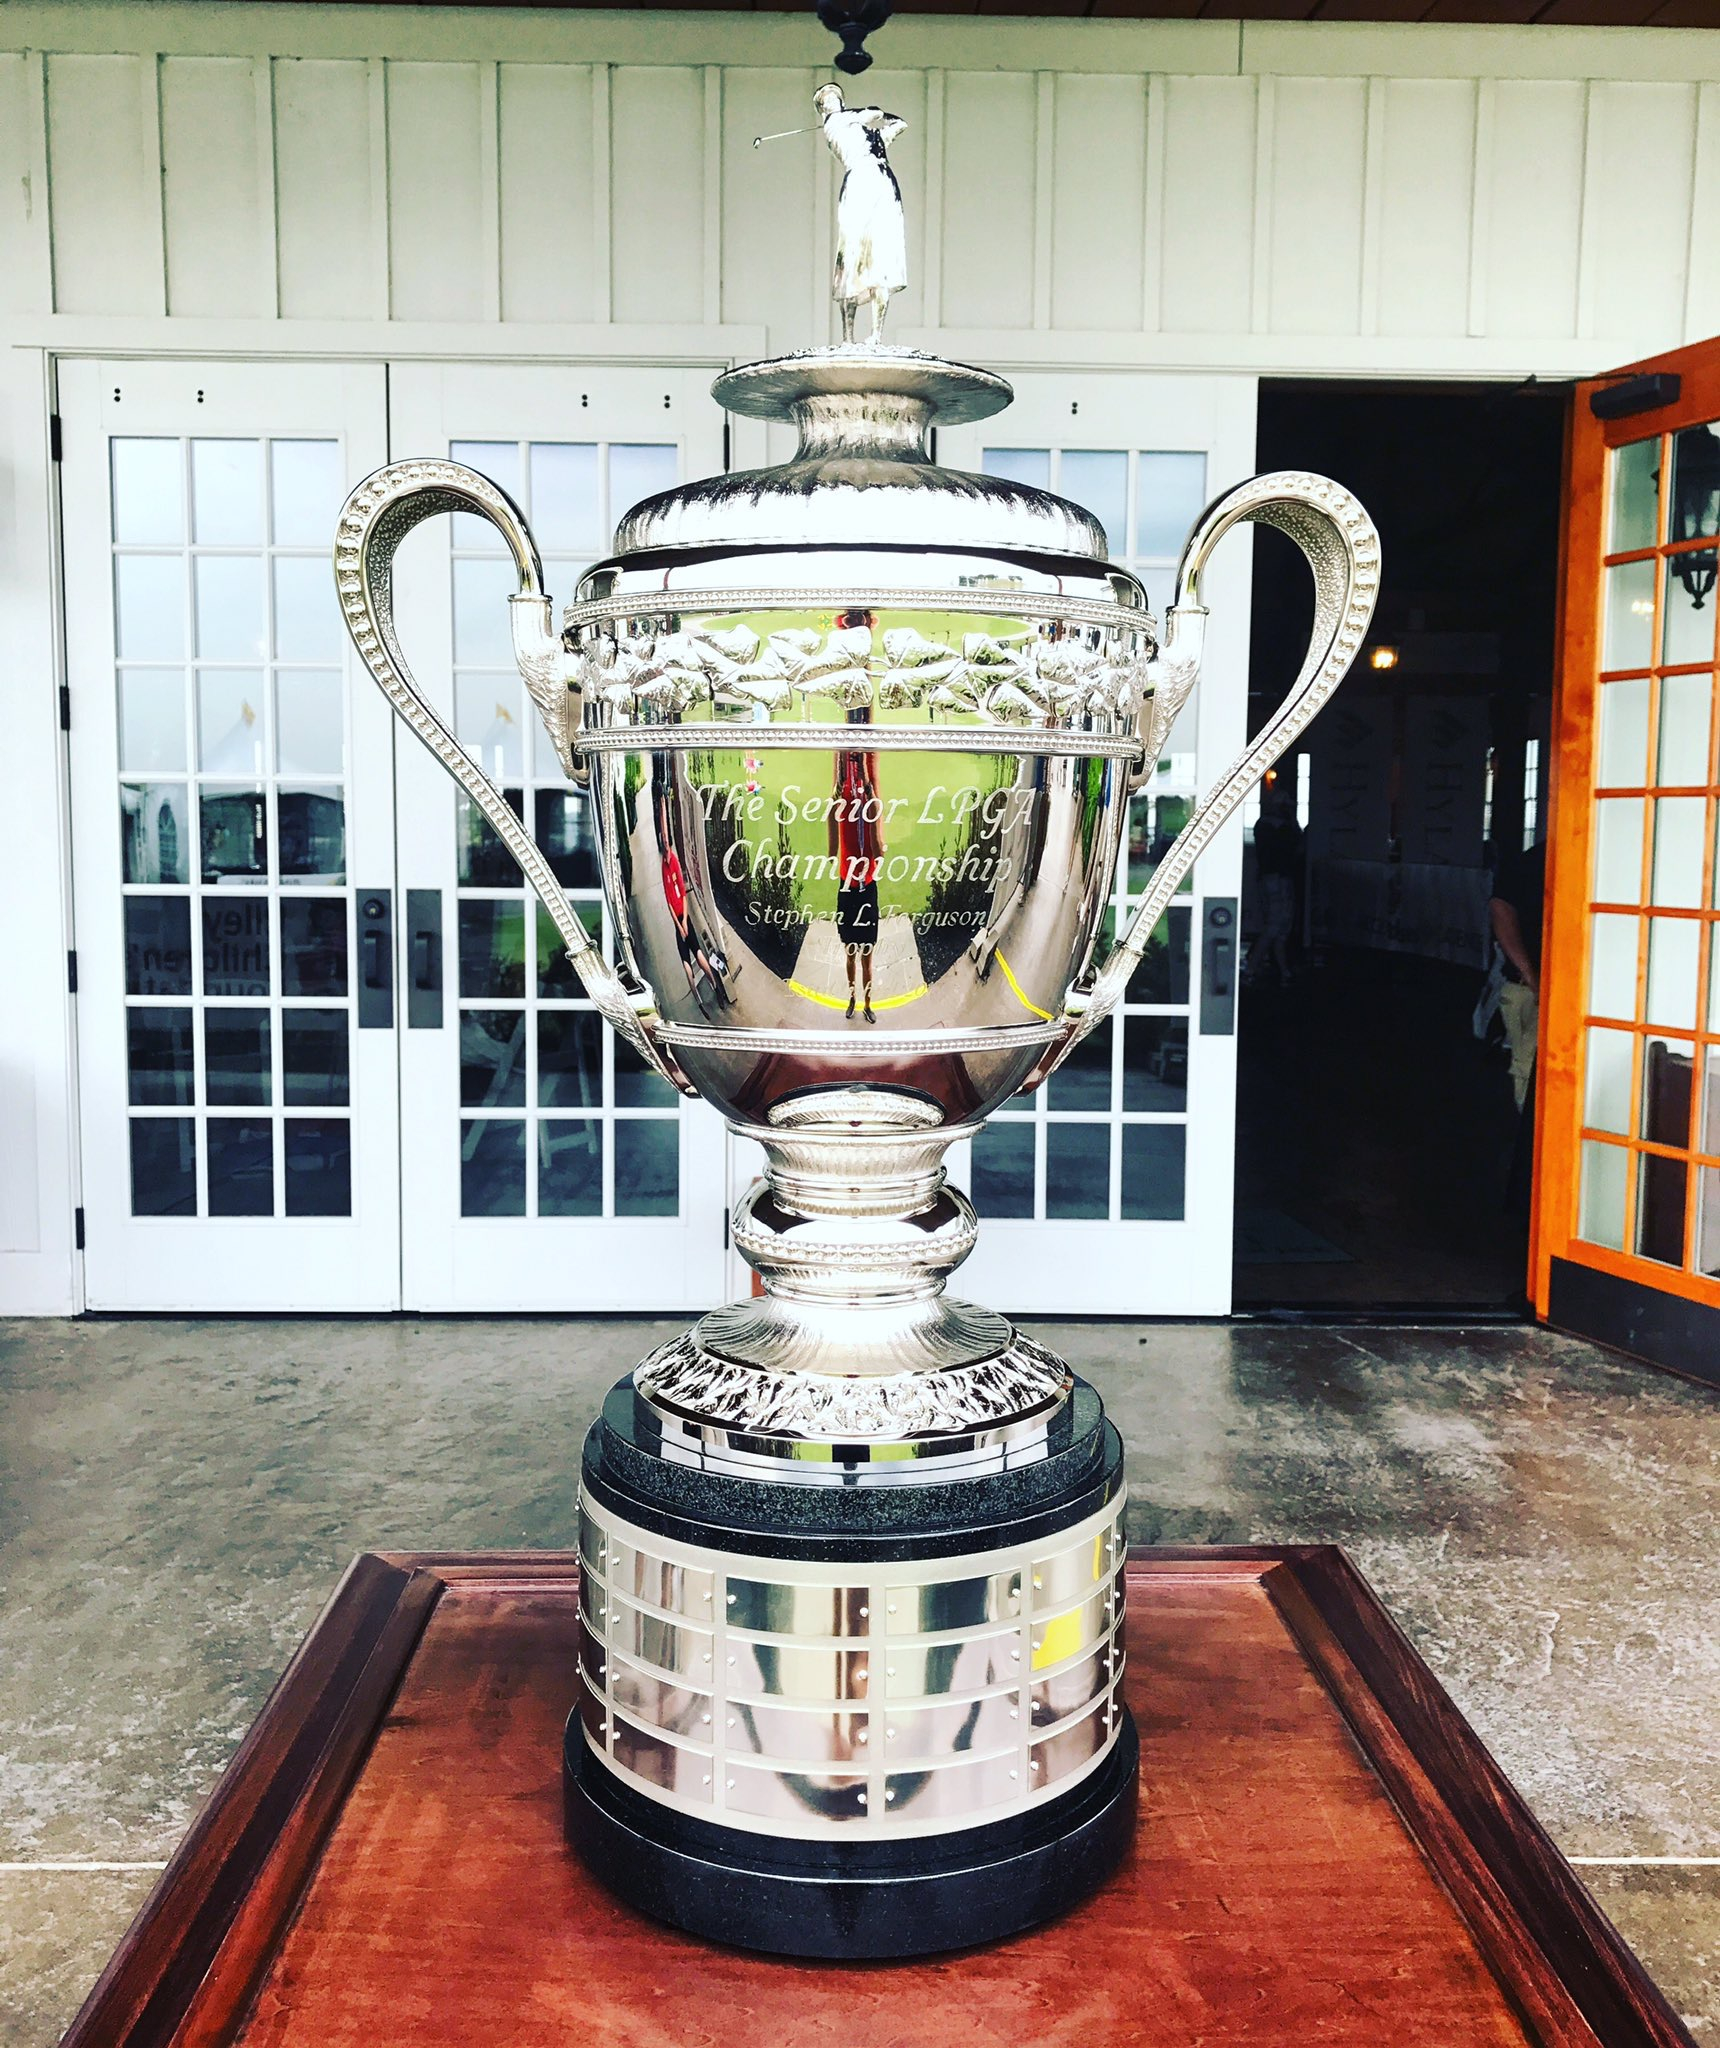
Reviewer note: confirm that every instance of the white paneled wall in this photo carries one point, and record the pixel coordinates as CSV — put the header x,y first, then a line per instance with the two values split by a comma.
x,y
1425,139
1098,204
549,236
1206,280
104,185
328,182
1196,192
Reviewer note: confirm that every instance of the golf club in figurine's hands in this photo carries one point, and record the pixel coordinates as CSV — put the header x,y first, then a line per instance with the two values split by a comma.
x,y
859,735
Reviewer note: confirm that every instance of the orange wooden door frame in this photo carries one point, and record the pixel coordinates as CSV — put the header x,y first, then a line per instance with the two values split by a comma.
x,y
1570,845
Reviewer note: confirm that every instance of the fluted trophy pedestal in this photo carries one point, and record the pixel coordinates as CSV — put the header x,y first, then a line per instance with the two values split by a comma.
x,y
860,737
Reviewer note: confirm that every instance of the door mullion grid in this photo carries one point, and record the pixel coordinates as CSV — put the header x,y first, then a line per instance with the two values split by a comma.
x,y
1114,1146
607,1130
194,848
270,779
601,1111
606,1072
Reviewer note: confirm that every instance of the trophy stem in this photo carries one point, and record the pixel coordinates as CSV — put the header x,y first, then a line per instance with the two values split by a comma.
x,y
855,1210
854,1231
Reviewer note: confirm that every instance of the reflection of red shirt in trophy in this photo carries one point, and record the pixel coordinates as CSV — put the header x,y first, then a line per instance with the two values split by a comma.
x,y
674,885
855,816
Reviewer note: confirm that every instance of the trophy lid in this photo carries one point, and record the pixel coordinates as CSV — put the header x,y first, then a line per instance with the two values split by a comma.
x,y
863,474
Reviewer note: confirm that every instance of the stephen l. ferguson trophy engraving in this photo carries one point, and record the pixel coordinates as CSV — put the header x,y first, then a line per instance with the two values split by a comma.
x,y
859,735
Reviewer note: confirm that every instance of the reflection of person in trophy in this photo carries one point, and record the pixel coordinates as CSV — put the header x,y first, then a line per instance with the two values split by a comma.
x,y
694,959
1020,844
857,841
871,243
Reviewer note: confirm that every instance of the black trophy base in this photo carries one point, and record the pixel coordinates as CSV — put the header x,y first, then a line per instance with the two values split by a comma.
x,y
912,1895
851,1902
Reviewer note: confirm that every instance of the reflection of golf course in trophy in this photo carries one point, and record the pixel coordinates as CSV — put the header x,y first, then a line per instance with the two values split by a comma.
x,y
856,728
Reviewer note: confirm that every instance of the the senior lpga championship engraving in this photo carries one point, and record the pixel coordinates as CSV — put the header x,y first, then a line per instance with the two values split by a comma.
x,y
859,735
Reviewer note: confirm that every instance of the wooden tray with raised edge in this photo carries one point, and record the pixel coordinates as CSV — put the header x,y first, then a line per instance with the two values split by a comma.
x,y
1325,1853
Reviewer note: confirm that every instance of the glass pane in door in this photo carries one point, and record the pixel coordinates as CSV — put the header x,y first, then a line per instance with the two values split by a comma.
x,y
232,724
555,1118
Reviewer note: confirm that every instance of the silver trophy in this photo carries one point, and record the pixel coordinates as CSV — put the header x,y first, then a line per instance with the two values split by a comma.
x,y
859,735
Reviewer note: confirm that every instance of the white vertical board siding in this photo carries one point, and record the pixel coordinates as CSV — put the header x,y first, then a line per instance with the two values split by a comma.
x,y
1319,131
1427,178
22,194
1432,200
547,153
1099,158
436,192
214,224
990,139
325,196
768,200
657,192
1207,267
1642,149
1702,264
104,170
1533,208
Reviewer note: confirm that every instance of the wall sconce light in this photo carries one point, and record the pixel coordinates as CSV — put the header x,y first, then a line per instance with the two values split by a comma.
x,y
1383,657
1694,513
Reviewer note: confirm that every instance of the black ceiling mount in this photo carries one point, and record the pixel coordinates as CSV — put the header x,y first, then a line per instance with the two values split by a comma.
x,y
1635,394
853,21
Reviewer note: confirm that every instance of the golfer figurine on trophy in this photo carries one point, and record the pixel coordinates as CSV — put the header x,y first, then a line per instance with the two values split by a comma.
x,y
871,241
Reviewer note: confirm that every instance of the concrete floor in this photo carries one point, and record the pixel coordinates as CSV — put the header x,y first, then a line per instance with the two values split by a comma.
x,y
177,1498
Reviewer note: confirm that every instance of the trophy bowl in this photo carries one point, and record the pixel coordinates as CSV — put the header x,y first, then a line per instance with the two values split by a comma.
x,y
859,735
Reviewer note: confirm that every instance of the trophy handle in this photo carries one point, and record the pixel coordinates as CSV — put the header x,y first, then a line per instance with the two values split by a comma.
x,y
1342,545
375,519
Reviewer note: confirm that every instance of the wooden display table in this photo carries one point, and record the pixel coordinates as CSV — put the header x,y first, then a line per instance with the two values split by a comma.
x,y
1324,1853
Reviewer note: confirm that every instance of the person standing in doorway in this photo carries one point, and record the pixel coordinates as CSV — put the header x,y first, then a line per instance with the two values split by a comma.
x,y
1278,869
1515,913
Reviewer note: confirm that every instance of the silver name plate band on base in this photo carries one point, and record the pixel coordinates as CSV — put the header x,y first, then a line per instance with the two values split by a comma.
x,y
797,1699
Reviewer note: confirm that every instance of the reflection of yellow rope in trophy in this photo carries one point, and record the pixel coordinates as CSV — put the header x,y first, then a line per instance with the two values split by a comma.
x,y
840,1002
1024,1001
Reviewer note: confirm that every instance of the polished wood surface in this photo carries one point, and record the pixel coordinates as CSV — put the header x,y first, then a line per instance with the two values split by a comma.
x,y
1324,1853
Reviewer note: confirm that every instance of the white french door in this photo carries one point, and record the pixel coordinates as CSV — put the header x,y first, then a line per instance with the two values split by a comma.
x,y
1110,1191
233,842
542,1166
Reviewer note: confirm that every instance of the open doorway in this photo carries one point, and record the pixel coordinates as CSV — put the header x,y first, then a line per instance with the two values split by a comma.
x,y
1381,1158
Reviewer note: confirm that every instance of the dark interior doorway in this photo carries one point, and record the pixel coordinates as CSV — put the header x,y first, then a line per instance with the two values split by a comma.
x,y
1378,1158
